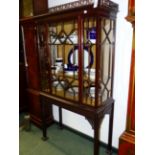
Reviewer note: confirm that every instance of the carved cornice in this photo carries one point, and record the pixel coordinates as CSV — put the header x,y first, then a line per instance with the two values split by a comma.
x,y
91,121
71,5
81,3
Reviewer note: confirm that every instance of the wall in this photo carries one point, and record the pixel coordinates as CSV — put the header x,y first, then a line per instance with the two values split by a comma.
x,y
121,80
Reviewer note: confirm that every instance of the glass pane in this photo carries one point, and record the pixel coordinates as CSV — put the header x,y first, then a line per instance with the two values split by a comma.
x,y
63,51
106,59
89,61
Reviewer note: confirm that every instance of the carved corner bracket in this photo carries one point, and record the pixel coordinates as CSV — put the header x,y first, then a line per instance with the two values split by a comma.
x,y
92,121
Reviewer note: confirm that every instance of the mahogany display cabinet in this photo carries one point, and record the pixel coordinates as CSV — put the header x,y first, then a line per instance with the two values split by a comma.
x,y
75,51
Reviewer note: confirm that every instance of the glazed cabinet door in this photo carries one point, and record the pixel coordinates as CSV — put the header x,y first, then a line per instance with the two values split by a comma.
x,y
58,58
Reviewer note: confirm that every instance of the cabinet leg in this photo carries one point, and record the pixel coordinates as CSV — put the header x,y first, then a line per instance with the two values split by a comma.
x,y
96,137
109,147
43,122
60,117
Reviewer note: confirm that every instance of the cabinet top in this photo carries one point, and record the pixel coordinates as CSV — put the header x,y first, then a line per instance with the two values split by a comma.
x,y
80,3
82,7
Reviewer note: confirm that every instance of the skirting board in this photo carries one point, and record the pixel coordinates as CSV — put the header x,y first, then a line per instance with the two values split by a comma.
x,y
115,150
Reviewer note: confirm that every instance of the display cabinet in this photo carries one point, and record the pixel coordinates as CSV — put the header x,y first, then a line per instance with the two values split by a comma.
x,y
76,50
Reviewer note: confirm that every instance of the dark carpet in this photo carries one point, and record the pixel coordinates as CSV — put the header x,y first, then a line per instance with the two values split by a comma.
x,y
60,142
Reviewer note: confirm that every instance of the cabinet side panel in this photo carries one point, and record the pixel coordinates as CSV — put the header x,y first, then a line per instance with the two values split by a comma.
x,y
32,57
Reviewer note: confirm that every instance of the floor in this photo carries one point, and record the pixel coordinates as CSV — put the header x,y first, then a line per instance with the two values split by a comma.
x,y
60,142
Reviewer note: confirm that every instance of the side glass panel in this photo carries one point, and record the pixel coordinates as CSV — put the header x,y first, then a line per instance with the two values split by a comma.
x,y
106,60
58,52
89,61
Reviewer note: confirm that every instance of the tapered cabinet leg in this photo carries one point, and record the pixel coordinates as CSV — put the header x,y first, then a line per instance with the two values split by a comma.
x,y
96,136
109,148
44,130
